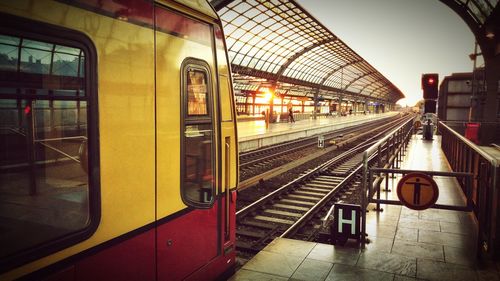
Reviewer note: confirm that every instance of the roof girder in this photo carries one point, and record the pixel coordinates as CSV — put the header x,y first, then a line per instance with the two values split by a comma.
x,y
281,61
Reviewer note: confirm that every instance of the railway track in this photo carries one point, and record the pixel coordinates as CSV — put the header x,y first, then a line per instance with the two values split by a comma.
x,y
266,155
296,208
263,164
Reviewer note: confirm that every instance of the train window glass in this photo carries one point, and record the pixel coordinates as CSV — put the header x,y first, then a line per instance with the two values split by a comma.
x,y
44,185
197,92
7,90
68,93
67,65
182,26
8,52
198,185
35,57
198,179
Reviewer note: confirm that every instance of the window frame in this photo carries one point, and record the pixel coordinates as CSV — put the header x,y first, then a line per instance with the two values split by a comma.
x,y
186,120
36,30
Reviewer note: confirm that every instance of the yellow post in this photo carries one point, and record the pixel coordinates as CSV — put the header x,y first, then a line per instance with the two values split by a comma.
x,y
267,118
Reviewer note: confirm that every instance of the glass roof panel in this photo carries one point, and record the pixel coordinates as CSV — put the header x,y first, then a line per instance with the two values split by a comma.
x,y
476,11
281,42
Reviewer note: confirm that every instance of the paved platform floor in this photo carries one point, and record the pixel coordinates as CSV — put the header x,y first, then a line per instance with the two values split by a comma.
x,y
405,244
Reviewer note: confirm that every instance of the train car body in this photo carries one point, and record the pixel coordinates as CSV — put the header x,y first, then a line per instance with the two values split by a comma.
x,y
118,141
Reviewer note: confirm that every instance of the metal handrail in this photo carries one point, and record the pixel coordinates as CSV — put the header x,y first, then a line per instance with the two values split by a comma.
x,y
375,146
369,154
472,145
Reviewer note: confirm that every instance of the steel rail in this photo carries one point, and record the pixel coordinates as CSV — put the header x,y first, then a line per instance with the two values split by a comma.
x,y
320,168
318,206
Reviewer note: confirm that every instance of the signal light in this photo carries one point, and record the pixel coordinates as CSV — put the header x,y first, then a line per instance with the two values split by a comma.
x,y
430,85
429,106
27,110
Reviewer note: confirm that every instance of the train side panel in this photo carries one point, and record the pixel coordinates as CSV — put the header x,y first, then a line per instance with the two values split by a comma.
x,y
125,91
193,240
162,145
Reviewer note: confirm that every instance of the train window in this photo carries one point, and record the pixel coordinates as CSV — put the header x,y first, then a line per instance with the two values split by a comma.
x,y
197,92
44,126
198,185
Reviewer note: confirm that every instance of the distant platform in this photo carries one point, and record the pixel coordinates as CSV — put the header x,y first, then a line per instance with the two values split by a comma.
x,y
254,135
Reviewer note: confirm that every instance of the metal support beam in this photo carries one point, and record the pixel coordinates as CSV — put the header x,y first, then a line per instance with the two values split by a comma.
x,y
301,53
357,79
330,74
219,4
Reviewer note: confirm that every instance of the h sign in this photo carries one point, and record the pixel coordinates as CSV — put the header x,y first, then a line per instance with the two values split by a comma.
x,y
321,141
346,223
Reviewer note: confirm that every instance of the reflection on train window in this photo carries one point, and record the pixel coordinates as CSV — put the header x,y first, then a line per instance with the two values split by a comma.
x,y
197,92
198,184
198,181
40,57
44,187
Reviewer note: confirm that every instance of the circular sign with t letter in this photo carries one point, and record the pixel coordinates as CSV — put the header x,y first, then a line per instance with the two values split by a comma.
x,y
417,191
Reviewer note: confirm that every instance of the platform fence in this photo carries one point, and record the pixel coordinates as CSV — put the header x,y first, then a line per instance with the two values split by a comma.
x,y
386,153
465,156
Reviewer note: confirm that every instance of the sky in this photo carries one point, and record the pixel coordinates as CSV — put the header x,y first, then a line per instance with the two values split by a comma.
x,y
402,39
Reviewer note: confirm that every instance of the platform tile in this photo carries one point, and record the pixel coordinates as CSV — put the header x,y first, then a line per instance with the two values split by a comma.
x,y
407,234
249,275
448,239
391,263
418,250
351,273
291,247
334,254
312,270
274,263
440,271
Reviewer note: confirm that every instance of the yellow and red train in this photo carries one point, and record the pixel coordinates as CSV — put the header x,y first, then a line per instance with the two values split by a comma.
x,y
118,148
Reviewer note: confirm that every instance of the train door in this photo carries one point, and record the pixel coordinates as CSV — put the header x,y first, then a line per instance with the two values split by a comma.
x,y
188,213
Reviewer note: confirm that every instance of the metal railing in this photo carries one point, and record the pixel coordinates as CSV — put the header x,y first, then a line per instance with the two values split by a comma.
x,y
387,153
464,156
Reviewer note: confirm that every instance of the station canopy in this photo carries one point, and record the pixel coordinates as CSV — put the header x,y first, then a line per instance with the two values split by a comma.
x,y
482,17
279,45
478,11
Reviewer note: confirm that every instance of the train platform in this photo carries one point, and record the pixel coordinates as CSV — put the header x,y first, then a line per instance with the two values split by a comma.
x,y
254,134
405,244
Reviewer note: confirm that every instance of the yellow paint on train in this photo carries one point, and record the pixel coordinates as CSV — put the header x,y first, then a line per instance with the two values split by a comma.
x,y
128,125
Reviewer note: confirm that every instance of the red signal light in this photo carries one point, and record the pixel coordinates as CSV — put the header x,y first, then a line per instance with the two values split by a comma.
x,y
27,110
430,85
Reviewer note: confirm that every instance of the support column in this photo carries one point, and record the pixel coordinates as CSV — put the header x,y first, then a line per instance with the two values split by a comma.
x,y
271,109
282,103
246,103
492,75
488,107
253,102
315,103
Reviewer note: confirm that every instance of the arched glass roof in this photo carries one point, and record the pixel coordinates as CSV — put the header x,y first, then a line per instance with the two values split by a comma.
x,y
482,17
281,42
479,10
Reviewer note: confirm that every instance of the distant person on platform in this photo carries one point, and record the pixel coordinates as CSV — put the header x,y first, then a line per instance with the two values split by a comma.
x,y
290,112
